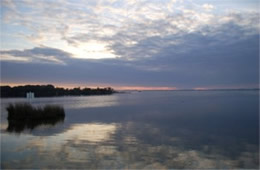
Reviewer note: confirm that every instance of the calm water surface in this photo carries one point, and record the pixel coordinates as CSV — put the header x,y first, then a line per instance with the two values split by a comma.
x,y
153,129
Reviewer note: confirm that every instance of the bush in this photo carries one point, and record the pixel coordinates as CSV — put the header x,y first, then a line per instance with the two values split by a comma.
x,y
24,115
24,111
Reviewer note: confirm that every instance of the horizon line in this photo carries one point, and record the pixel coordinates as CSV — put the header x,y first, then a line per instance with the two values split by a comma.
x,y
135,88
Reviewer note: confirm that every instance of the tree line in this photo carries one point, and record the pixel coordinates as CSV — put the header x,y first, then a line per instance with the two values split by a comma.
x,y
51,91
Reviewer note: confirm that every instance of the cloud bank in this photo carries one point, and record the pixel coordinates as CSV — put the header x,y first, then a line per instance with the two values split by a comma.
x,y
148,43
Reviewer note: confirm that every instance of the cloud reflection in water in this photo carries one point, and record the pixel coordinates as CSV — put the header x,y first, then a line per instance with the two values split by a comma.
x,y
90,132
218,132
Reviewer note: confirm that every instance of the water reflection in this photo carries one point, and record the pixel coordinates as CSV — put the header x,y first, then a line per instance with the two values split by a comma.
x,y
191,130
23,116
127,145
90,132
92,102
68,102
19,126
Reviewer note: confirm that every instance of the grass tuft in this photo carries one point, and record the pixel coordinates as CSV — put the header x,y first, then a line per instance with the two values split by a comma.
x,y
24,116
24,111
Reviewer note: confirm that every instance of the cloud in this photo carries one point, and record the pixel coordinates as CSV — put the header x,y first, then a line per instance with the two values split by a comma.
x,y
208,7
203,62
37,54
113,22
166,43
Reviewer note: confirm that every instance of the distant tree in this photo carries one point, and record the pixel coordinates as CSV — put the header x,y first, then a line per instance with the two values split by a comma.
x,y
49,91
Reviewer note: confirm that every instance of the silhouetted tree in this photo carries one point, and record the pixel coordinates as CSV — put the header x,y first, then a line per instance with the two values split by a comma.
x,y
50,91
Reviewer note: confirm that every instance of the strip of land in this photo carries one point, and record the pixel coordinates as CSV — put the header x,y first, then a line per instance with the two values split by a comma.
x,y
51,91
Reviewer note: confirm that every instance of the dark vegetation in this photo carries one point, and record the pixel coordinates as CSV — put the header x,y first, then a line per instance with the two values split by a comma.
x,y
51,91
24,116
24,111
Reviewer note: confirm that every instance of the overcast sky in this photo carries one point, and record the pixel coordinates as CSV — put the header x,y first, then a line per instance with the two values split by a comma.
x,y
153,44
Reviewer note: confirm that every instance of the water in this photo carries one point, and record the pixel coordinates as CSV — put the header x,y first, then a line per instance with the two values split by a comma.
x,y
152,129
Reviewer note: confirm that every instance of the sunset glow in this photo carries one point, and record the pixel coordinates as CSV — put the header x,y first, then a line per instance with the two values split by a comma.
x,y
116,87
90,50
144,88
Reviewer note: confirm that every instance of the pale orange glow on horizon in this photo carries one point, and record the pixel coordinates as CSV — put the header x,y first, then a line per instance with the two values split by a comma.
x,y
145,88
90,85
200,88
114,86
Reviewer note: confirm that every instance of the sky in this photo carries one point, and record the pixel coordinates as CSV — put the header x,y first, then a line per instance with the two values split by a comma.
x,y
131,44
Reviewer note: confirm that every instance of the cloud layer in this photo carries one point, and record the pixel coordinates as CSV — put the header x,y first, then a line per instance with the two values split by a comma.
x,y
157,43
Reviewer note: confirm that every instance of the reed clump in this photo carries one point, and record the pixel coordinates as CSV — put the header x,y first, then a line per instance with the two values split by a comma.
x,y
24,116
25,111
